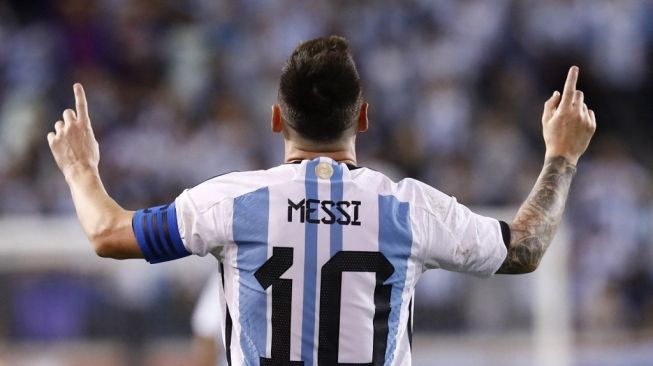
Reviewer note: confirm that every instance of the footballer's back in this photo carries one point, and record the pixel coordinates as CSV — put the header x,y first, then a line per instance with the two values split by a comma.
x,y
320,259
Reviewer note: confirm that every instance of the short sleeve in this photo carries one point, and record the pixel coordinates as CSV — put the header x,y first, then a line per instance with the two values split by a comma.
x,y
460,240
202,223
157,234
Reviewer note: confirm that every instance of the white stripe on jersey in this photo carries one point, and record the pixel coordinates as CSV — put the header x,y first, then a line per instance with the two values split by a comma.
x,y
247,220
351,349
279,195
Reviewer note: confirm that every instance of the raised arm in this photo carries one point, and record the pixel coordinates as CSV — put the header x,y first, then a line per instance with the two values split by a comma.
x,y
107,225
568,126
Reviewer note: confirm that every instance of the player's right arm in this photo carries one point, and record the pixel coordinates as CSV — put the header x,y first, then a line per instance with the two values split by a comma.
x,y
568,126
107,225
155,233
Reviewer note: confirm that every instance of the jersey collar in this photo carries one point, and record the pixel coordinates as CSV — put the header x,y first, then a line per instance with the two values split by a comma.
x,y
298,161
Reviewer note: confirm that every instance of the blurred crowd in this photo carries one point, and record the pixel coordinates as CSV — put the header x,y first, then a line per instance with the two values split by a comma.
x,y
181,91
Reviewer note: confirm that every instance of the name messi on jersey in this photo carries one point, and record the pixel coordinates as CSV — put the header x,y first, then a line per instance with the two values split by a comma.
x,y
324,212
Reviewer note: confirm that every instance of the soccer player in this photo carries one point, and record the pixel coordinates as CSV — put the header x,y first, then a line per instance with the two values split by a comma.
x,y
319,256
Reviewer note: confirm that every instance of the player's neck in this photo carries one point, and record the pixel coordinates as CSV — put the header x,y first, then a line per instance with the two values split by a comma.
x,y
344,154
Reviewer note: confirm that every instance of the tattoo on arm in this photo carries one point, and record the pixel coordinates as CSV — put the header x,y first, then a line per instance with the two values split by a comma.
x,y
539,216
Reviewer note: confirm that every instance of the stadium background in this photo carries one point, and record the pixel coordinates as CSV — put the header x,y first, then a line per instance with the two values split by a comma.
x,y
181,91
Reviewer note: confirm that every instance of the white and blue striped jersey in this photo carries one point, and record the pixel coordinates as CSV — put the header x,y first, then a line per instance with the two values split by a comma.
x,y
319,259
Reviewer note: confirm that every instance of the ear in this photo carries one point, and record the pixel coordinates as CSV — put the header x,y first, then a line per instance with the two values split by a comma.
x,y
363,122
276,122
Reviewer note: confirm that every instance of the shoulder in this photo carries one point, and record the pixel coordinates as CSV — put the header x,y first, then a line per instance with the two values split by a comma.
x,y
232,185
409,190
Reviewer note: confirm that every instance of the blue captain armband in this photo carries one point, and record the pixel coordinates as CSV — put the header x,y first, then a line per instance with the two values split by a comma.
x,y
157,234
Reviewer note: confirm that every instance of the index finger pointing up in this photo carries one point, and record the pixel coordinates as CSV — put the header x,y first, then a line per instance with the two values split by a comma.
x,y
570,86
80,102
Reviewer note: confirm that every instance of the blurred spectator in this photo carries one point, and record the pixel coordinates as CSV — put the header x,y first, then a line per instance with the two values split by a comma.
x,y
610,200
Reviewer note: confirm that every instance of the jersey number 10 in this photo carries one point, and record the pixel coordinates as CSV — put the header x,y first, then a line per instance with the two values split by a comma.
x,y
330,294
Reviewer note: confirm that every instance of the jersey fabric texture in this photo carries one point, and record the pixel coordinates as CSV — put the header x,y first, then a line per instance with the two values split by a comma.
x,y
319,260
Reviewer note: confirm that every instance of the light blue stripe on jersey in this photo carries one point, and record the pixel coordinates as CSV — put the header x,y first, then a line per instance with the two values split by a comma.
x,y
395,241
250,228
310,271
336,195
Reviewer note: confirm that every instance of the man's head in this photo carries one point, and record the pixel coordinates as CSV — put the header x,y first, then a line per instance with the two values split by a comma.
x,y
320,98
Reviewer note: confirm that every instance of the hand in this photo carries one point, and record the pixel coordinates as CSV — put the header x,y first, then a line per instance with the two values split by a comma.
x,y
568,125
73,143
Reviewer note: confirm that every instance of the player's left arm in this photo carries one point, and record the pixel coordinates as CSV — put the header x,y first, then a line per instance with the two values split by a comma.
x,y
568,126
107,225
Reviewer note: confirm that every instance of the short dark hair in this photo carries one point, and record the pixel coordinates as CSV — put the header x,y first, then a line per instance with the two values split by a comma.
x,y
320,90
